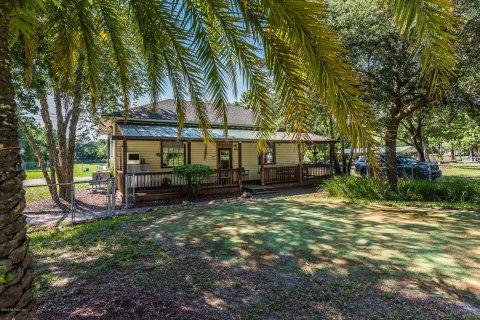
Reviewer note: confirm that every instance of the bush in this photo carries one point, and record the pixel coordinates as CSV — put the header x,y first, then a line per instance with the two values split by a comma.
x,y
451,190
358,187
193,175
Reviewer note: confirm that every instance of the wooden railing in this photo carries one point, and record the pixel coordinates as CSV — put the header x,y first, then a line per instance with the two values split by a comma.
x,y
292,173
156,181
164,182
282,174
314,171
223,178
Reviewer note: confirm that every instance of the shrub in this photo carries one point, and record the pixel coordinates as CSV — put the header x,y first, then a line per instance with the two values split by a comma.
x,y
451,190
193,175
358,187
448,190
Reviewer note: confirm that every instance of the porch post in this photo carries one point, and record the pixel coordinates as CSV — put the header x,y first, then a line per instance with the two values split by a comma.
x,y
262,167
124,167
331,158
108,150
300,160
240,171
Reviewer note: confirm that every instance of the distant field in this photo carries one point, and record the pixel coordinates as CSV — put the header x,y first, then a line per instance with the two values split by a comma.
x,y
461,170
78,171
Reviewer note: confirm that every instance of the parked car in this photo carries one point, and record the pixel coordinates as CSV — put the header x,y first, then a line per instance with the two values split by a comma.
x,y
406,167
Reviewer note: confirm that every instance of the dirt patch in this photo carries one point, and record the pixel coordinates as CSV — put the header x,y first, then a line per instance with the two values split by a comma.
x,y
85,201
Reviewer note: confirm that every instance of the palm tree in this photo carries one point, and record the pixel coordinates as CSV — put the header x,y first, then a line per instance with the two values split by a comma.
x,y
200,48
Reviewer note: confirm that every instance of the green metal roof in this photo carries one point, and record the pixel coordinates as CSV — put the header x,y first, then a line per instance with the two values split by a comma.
x,y
160,132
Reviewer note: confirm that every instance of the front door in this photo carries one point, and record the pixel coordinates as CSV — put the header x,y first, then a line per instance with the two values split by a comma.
x,y
225,159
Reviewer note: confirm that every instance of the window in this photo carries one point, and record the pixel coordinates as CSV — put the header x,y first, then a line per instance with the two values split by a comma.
x,y
173,154
269,155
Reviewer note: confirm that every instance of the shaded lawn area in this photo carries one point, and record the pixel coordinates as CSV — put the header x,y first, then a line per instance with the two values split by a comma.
x,y
283,258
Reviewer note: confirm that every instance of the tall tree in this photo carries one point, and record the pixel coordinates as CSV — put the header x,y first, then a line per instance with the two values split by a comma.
x,y
391,67
199,47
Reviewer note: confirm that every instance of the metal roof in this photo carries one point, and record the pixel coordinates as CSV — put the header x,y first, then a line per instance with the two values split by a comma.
x,y
162,132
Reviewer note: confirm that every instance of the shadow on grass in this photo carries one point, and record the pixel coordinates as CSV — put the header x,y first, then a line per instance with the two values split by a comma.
x,y
272,258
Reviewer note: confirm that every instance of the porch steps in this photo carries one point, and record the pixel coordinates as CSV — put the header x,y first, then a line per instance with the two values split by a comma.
x,y
258,189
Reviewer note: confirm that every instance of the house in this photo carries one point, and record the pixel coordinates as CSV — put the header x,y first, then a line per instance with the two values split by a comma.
x,y
145,147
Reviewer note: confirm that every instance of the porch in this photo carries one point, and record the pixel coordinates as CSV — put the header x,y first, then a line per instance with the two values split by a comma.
x,y
146,186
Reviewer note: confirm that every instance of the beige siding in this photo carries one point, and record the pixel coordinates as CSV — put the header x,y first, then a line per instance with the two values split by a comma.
x,y
198,154
148,151
286,154
250,160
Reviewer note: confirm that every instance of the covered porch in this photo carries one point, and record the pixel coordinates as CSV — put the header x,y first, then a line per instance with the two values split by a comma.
x,y
156,150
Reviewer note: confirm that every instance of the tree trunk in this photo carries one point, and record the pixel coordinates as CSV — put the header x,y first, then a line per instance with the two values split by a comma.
x,y
415,131
51,188
17,299
350,161
390,152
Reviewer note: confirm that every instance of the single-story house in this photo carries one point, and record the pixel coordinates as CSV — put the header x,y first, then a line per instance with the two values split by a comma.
x,y
146,146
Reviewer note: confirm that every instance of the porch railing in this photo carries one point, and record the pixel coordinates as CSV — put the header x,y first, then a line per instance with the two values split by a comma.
x,y
281,174
167,182
292,173
315,171
164,182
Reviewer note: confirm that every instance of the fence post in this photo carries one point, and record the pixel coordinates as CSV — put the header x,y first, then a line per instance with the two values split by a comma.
x,y
134,182
126,190
108,199
72,201
113,183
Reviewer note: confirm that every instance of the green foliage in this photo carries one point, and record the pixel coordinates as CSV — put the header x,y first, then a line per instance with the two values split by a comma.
x,y
201,48
193,174
448,190
358,188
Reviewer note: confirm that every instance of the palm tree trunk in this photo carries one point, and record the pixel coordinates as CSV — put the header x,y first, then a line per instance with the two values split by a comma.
x,y
16,266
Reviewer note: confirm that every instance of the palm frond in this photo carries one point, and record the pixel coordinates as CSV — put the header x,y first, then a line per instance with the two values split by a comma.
x,y
114,25
429,23
23,27
299,45
89,34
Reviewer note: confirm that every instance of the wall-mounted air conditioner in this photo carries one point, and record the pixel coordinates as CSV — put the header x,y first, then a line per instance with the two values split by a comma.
x,y
133,158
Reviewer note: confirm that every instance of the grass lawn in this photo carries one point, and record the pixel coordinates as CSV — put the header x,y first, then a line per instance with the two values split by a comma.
x,y
78,171
461,170
284,258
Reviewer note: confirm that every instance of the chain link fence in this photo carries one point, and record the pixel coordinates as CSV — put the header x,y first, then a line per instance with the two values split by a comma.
x,y
80,199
